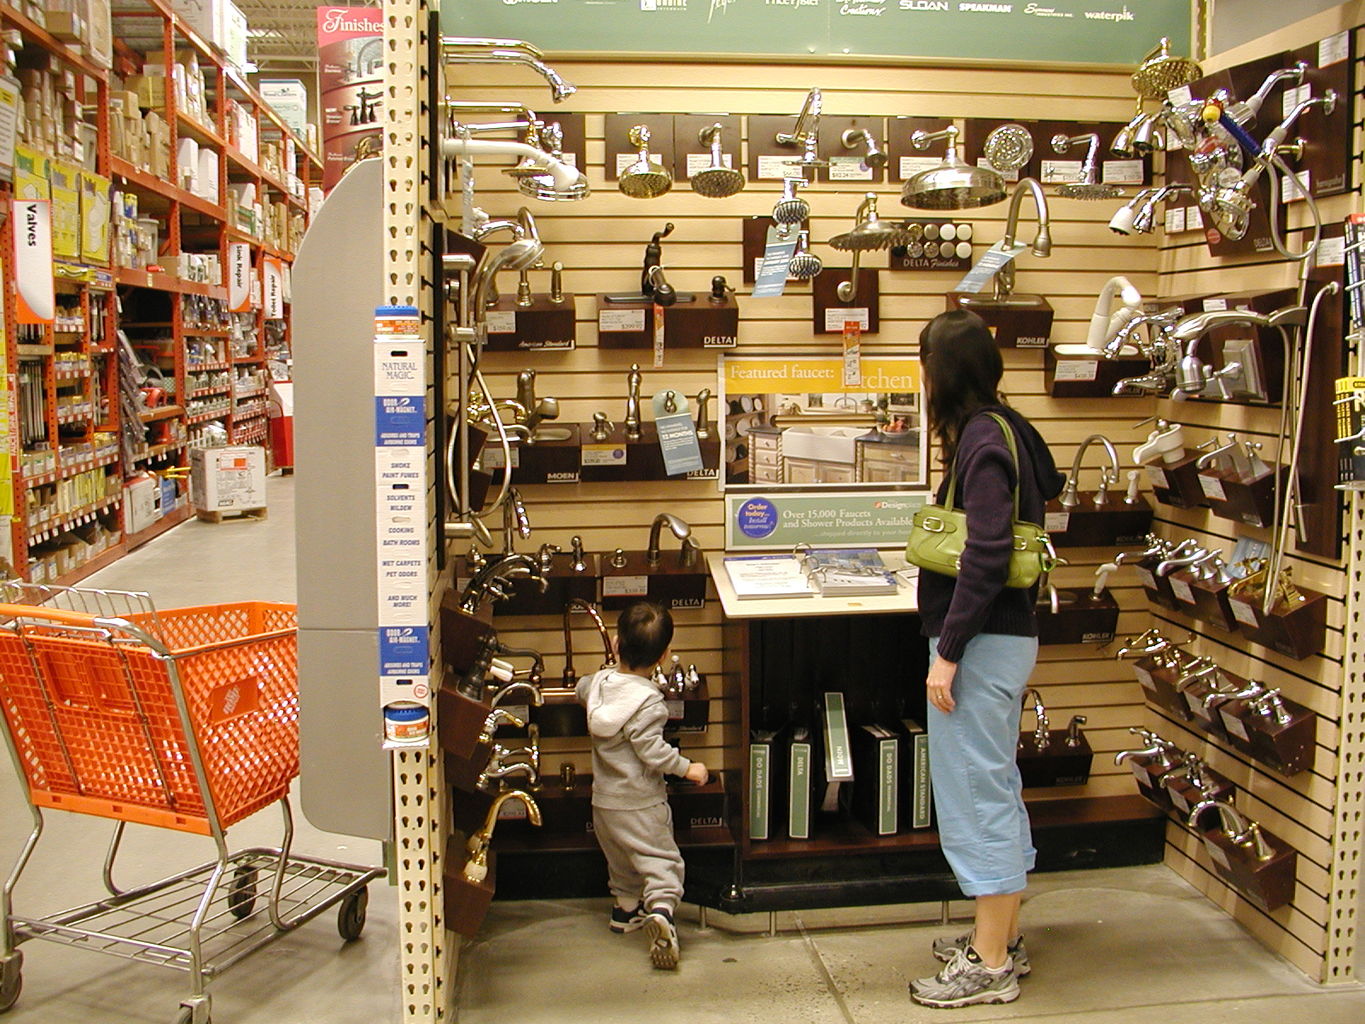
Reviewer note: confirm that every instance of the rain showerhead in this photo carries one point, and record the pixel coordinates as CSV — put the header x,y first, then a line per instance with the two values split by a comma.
x,y
870,232
1161,71
874,156
1008,147
1087,185
953,185
804,264
716,181
790,209
646,178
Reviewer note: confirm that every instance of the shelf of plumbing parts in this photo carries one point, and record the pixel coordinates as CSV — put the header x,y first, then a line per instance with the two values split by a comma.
x,y
81,414
34,351
66,472
206,367
163,412
249,436
142,181
250,411
216,413
159,451
247,360
236,234
91,275
40,36
108,556
203,332
160,281
72,378
206,392
253,169
70,520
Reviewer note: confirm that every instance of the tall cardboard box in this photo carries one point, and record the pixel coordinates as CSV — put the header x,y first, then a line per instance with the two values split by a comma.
x,y
230,479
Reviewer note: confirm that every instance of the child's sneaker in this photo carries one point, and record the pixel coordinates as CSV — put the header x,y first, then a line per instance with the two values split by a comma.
x,y
663,939
623,920
946,949
966,981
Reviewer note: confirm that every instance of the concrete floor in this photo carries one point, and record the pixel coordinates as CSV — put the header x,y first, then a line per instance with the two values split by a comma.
x,y
1127,946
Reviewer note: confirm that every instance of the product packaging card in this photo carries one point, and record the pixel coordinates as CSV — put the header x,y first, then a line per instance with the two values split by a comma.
x,y
677,433
989,265
916,793
799,784
767,783
876,793
777,256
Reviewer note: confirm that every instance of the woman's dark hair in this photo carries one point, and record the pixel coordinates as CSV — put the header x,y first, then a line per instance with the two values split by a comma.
x,y
962,367
644,631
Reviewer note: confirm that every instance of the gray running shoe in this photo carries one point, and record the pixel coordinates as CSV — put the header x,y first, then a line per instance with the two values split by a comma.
x,y
945,949
966,981
663,939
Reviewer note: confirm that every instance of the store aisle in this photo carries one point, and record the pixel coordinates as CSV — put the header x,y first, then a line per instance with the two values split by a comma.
x,y
308,977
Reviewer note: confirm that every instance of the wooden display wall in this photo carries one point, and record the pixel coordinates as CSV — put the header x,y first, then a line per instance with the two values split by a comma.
x,y
1316,930
601,241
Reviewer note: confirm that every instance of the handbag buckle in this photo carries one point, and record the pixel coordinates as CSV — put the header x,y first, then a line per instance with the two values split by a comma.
x,y
933,524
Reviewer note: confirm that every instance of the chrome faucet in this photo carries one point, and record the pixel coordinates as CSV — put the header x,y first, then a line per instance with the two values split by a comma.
x,y
1042,241
1042,734
703,424
498,717
1070,494
535,410
1158,749
515,522
537,698
546,557
1187,552
690,552
608,655
1239,831
680,530
492,581
578,563
633,380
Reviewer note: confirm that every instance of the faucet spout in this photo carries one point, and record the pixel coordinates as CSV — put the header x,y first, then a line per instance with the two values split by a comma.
x,y
1042,240
679,528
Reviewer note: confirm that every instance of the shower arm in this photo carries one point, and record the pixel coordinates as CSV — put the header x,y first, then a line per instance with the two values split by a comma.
x,y
563,175
807,122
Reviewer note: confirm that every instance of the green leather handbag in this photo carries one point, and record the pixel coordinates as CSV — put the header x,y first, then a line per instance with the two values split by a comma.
x,y
938,533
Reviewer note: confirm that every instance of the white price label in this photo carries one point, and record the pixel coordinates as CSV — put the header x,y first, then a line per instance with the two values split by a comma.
x,y
848,168
1292,96
1122,172
1146,578
1234,725
1175,220
1216,852
1179,96
675,709
1077,369
502,322
1212,488
1007,175
1244,613
837,316
1144,678
1334,49
625,586
1057,522
701,161
1159,478
1197,706
1194,218
620,319
912,165
1212,304
1140,773
1331,252
1059,171
624,160
1182,590
604,455
1179,800
1291,193
492,458
780,166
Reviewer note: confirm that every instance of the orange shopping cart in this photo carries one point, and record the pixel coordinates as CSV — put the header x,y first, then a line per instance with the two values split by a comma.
x,y
184,719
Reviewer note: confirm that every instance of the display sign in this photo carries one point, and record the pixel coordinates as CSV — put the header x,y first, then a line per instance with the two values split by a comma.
x,y
272,274
239,277
350,84
775,521
35,296
1060,31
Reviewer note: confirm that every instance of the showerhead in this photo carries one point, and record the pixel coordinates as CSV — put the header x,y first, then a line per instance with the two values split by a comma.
x,y
804,264
543,186
1229,206
1089,190
716,181
1087,186
874,156
1161,71
1008,147
1122,146
646,178
870,232
790,209
953,185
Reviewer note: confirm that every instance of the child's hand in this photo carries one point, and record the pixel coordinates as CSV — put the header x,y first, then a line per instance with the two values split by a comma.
x,y
697,773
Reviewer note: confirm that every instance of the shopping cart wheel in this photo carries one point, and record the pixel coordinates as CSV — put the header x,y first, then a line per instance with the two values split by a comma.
x,y
198,1013
241,899
351,915
12,978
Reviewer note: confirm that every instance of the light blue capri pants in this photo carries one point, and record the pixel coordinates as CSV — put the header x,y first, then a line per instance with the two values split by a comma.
x,y
983,825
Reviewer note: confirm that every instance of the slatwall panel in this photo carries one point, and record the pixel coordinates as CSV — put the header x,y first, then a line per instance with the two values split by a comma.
x,y
601,242
1312,810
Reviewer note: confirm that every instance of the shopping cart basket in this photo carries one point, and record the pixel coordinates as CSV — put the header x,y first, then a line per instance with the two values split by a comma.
x,y
184,719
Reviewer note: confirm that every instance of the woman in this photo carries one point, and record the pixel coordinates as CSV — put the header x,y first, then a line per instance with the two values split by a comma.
x,y
983,646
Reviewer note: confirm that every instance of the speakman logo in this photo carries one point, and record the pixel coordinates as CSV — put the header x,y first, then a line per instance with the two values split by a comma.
x,y
985,8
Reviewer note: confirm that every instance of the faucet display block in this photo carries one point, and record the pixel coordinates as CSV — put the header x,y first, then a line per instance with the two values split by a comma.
x,y
561,714
645,460
1184,794
1080,618
561,584
1286,746
1055,764
463,636
459,721
1019,321
1158,684
1206,600
544,326
1249,500
669,583
1116,523
556,459
465,902
1148,773
701,323
1202,699
1269,883
1177,483
828,311
1158,588
1297,632
1080,374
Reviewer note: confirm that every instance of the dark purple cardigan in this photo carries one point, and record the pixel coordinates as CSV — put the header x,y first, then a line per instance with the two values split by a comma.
x,y
977,601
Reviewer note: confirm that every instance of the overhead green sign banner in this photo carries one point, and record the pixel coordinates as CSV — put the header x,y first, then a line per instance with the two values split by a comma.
x,y
1062,31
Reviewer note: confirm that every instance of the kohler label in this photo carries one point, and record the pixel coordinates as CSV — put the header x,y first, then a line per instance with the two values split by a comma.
x,y
1031,342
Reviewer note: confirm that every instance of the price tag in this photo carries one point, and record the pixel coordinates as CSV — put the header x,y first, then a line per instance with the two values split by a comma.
x,y
701,161
677,433
620,320
770,270
1077,369
1244,613
1334,49
1197,706
1234,725
1216,852
1179,96
779,166
1211,304
1182,590
492,458
1007,175
1140,773
604,455
1122,172
912,165
1057,522
659,336
625,586
502,322
848,168
1059,171
1159,478
1291,193
988,265
1331,252
837,316
675,711
853,361
1293,95
1194,218
1179,800
1144,678
1175,220
624,160
1212,488
1146,577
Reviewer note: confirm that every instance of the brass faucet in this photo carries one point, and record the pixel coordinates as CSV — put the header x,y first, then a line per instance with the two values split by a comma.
x,y
476,867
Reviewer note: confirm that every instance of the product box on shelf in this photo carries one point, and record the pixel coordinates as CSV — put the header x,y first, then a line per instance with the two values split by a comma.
x,y
288,97
141,503
228,479
64,182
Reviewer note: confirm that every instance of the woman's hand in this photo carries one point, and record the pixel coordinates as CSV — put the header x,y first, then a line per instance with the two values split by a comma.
x,y
939,684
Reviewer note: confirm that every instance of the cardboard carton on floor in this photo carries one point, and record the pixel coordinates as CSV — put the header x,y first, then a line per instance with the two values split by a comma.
x,y
230,479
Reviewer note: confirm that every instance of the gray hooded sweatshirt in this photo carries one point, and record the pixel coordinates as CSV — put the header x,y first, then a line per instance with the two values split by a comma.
x,y
626,718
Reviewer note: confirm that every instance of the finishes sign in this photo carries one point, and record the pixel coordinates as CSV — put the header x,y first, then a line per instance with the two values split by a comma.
x,y
1058,31
351,85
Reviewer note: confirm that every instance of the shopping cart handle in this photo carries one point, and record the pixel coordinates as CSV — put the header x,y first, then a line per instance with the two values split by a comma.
x,y
33,611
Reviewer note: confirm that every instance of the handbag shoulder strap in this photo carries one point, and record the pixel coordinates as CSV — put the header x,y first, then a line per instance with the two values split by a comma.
x,y
1014,455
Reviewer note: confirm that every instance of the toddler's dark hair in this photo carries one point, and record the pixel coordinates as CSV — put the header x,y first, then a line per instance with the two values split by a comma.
x,y
645,630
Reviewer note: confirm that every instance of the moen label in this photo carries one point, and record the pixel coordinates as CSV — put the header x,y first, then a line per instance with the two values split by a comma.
x,y
567,477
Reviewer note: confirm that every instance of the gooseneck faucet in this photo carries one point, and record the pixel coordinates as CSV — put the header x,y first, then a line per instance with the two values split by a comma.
x,y
680,530
1238,830
476,867
1071,493
608,655
515,522
703,414
1042,241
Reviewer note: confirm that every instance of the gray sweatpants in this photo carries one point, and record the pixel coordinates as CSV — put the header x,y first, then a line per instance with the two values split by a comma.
x,y
643,862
